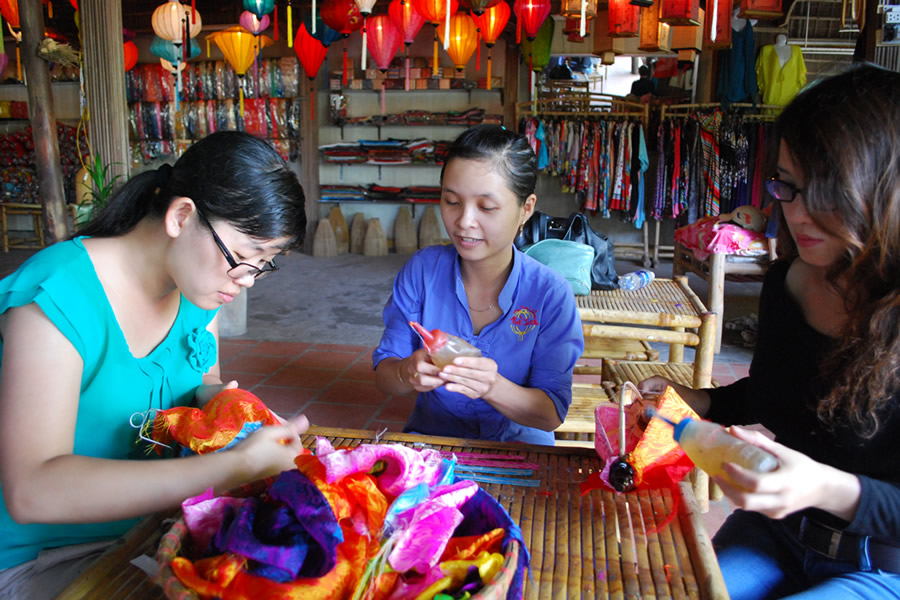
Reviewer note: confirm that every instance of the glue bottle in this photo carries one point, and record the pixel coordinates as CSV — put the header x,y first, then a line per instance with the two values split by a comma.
x,y
443,347
708,445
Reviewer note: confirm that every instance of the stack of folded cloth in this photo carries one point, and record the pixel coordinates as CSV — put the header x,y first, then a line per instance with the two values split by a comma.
x,y
343,152
422,194
341,193
384,193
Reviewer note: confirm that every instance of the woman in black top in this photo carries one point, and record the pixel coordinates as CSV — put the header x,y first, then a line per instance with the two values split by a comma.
x,y
825,376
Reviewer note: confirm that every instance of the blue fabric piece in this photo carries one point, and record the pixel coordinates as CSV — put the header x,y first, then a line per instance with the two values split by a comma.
x,y
737,68
543,157
294,534
62,282
535,343
481,514
640,214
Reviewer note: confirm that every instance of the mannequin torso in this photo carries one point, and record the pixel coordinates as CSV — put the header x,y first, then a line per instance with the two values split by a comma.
x,y
782,49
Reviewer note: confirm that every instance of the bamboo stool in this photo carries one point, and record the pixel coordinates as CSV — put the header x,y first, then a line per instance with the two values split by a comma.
x,y
36,211
324,243
375,243
404,232
339,226
603,347
357,233
429,229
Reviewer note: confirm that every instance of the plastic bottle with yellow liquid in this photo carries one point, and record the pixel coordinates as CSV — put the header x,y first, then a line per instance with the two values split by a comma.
x,y
443,347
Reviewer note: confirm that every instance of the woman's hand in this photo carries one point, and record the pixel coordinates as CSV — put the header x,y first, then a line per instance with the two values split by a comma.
x,y
273,448
207,391
470,376
656,385
799,482
418,371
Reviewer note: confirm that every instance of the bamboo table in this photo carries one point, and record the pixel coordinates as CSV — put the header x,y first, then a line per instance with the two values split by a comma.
x,y
600,545
663,311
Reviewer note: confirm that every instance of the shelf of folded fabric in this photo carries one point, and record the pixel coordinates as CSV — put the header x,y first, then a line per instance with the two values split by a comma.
x,y
422,118
393,152
379,194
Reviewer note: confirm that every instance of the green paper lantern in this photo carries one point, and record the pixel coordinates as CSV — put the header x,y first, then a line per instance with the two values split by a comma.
x,y
539,49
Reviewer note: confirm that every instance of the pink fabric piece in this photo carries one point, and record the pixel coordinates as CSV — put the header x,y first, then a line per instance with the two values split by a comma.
x,y
405,467
426,528
411,585
203,515
711,236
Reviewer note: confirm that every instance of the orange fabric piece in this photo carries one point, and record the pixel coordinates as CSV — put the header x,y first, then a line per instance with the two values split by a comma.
x,y
215,425
469,547
209,577
657,459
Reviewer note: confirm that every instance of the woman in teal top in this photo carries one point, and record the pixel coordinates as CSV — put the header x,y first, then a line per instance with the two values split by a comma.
x,y
121,320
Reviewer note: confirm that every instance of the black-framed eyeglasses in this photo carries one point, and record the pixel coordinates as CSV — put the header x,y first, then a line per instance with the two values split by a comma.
x,y
238,270
782,190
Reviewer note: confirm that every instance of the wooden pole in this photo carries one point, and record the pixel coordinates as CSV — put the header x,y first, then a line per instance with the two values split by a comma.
x,y
309,162
43,122
510,85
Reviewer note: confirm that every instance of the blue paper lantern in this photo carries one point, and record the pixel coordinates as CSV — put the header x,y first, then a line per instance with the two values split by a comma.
x,y
324,33
172,53
259,7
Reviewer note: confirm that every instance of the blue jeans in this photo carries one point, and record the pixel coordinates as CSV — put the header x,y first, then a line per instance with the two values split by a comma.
x,y
762,558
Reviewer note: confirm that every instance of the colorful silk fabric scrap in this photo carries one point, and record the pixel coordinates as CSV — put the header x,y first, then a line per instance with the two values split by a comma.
x,y
228,417
376,522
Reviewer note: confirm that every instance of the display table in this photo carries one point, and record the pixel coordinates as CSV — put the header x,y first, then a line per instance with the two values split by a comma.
x,y
600,544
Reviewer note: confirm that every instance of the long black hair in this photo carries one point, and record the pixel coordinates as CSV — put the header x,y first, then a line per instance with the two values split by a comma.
x,y
230,176
509,152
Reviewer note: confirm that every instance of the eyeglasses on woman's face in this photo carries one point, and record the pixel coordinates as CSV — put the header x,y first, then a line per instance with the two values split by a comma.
x,y
782,190
238,270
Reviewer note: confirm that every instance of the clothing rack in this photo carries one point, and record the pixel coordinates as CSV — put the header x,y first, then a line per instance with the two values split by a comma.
x,y
594,104
747,111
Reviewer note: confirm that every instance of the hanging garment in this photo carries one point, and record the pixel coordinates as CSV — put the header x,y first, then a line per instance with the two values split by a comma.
x,y
779,84
737,70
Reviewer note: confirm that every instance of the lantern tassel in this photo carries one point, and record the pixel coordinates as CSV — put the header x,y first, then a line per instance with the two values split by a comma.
x,y
312,100
207,47
344,75
518,29
290,24
715,19
478,51
2,44
275,21
313,19
18,63
241,99
364,47
193,12
489,69
583,26
434,66
50,10
382,100
447,27
406,83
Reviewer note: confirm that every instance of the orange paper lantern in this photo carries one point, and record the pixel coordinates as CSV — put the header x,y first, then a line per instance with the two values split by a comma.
x,y
131,54
491,24
10,11
463,39
434,12
240,48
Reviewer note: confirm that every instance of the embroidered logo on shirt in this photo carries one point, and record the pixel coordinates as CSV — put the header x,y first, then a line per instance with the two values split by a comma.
x,y
522,321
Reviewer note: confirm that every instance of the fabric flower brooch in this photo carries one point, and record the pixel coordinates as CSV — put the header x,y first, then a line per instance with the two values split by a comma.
x,y
202,345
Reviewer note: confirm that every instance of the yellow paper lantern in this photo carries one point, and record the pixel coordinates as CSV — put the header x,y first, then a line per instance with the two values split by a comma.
x,y
240,48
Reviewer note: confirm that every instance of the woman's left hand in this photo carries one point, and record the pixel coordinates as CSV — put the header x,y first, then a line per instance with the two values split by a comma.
x,y
206,391
469,376
797,482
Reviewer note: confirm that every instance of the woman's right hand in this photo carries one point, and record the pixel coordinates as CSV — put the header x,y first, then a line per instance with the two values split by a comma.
x,y
418,371
656,385
273,448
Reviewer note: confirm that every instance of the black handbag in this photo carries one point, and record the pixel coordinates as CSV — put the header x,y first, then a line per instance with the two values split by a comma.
x,y
576,228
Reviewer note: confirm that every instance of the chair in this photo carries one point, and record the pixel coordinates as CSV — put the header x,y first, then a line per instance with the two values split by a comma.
x,y
36,212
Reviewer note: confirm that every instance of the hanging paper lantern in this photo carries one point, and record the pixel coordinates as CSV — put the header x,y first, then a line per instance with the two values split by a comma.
x,y
169,21
342,15
409,22
240,48
680,12
580,11
479,6
530,15
260,8
311,53
538,49
654,34
435,11
4,62
365,9
171,68
760,9
463,39
623,19
324,33
491,24
172,53
251,23
10,11
74,4
717,24
131,54
384,40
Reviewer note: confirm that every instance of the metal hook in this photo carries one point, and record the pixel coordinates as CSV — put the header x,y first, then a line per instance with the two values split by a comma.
x,y
145,416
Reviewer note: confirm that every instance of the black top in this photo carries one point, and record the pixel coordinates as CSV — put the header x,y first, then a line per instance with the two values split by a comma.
x,y
642,86
781,392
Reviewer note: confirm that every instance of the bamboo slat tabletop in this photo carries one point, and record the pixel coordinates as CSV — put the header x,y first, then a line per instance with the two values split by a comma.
x,y
664,303
599,545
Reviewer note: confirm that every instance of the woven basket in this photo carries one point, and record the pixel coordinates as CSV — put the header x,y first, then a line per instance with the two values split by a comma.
x,y
177,538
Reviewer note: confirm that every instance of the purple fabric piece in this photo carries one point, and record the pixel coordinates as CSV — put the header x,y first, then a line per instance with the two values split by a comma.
x,y
293,534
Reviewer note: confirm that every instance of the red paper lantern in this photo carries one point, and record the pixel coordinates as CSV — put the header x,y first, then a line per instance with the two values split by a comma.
x,y
311,53
341,15
406,18
74,4
435,11
720,12
10,11
492,22
463,39
530,15
680,12
384,40
131,55
623,18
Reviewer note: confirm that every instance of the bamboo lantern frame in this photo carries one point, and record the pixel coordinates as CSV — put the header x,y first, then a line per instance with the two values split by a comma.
x,y
760,9
680,12
655,35
721,20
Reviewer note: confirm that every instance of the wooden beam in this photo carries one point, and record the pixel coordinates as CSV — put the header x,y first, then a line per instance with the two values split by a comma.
x,y
43,122
511,86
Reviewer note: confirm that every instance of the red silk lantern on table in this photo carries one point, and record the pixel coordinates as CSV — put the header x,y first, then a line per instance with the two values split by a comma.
x,y
530,15
131,54
680,12
344,17
623,18
408,20
491,24
311,53
384,40
717,24
434,12
463,39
